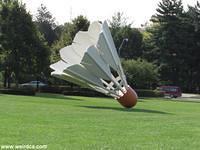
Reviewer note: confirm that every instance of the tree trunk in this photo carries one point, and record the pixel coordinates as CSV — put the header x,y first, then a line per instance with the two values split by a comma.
x,y
5,79
9,79
37,88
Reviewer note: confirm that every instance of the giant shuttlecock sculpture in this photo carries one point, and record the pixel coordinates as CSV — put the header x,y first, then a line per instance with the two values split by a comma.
x,y
92,61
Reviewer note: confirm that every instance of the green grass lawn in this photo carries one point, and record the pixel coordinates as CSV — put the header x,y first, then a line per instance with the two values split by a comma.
x,y
83,123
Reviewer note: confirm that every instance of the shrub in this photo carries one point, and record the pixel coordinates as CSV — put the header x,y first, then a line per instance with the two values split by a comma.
x,y
149,93
140,73
18,91
84,92
55,89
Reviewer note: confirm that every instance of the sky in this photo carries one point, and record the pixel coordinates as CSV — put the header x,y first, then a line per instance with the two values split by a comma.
x,y
136,11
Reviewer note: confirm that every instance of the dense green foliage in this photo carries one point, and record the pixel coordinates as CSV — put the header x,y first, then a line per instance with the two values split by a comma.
x,y
149,93
98,123
140,73
46,24
19,91
121,30
173,44
23,48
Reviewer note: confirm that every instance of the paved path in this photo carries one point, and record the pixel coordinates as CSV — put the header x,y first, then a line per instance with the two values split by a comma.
x,y
189,97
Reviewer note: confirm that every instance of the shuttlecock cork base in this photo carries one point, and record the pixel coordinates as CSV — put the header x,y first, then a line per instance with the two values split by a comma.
x,y
129,99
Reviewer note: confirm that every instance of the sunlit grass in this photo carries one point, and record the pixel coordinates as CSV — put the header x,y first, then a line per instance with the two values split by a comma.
x,y
98,123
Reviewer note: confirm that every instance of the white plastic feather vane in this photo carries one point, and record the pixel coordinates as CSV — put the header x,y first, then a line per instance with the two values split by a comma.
x,y
92,61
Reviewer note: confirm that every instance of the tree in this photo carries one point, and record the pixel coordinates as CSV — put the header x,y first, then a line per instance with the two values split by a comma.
x,y
46,24
151,51
194,14
80,23
118,20
20,42
133,48
167,38
120,30
193,57
168,11
172,43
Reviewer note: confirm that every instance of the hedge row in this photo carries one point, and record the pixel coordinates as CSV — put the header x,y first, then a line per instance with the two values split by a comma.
x,y
84,92
67,90
29,92
55,89
91,93
149,93
77,91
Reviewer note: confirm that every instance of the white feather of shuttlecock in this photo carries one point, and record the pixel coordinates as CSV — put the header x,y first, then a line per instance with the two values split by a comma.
x,y
92,61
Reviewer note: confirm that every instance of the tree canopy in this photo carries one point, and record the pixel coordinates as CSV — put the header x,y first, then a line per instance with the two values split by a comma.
x,y
174,44
21,42
46,24
121,30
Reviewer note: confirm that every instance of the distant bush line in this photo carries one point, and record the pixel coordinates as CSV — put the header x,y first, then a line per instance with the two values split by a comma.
x,y
75,91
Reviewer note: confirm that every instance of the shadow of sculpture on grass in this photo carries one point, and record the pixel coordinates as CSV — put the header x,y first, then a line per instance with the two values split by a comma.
x,y
126,110
57,96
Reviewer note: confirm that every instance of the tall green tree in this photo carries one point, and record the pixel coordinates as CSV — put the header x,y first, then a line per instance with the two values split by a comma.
x,y
169,16
151,51
20,42
132,49
193,41
121,30
118,20
172,43
80,23
46,24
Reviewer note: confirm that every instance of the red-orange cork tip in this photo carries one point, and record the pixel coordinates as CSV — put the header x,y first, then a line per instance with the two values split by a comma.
x,y
129,99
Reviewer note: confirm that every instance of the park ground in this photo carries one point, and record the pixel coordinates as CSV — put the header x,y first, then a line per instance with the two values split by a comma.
x,y
84,123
